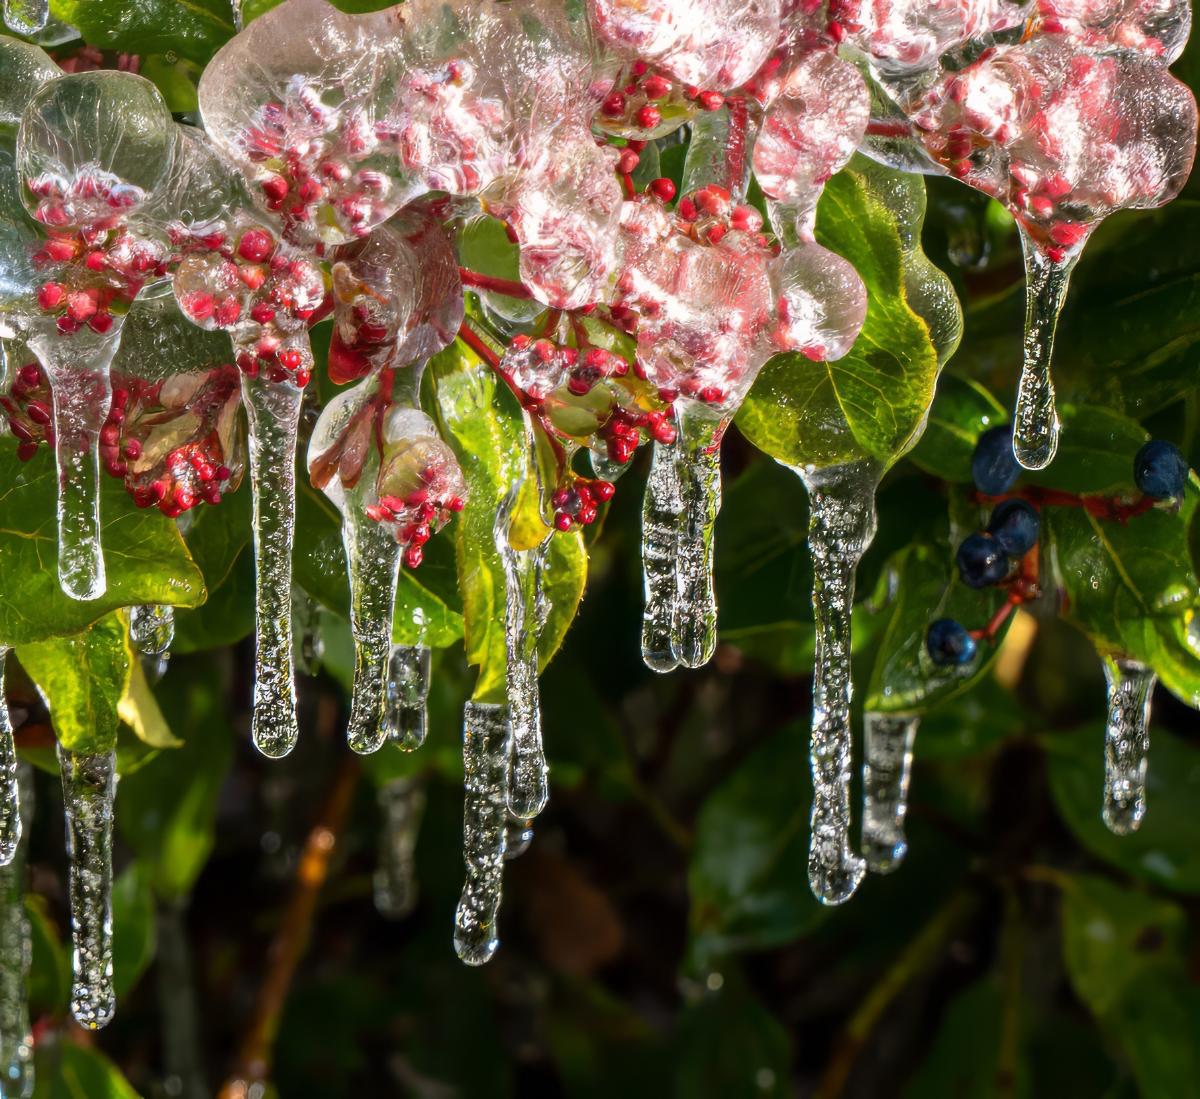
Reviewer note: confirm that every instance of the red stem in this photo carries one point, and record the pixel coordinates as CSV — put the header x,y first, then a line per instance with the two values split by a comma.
x,y
735,148
1102,507
487,282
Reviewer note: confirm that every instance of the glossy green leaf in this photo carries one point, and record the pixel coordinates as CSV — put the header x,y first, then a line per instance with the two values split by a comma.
x,y
483,425
871,403
83,679
194,29
166,810
49,987
747,876
962,410
145,559
1165,850
65,1070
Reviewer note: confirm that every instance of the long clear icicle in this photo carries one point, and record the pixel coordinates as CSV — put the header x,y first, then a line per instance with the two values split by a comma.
x,y
887,765
528,783
373,557
26,17
402,802
16,1037
89,785
694,623
662,511
79,385
10,797
273,411
406,695
485,767
1035,421
841,526
1126,741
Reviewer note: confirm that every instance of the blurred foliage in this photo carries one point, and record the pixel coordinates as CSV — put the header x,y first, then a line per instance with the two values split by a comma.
x,y
659,936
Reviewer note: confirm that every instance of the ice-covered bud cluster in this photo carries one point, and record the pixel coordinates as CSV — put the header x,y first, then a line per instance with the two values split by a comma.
x,y
710,45
420,485
1061,134
262,291
294,101
1158,28
397,297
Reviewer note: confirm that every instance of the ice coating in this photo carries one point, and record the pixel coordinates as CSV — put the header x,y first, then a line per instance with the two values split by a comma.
x,y
662,515
16,954
89,785
485,763
24,68
26,16
152,629
480,87
887,766
1126,741
294,101
1157,28
841,526
10,799
716,44
528,780
402,802
406,695
397,297
820,302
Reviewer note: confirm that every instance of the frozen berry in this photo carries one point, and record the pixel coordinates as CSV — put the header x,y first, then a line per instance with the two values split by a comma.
x,y
1160,470
1014,524
982,561
948,642
993,467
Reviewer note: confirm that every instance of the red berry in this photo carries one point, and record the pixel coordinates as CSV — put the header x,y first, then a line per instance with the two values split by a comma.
x,y
614,105
656,86
648,117
711,101
50,295
256,245
663,189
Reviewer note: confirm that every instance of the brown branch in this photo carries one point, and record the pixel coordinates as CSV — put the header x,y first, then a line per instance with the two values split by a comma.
x,y
254,1059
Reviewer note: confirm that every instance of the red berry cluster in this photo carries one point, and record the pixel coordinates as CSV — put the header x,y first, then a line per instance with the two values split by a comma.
x,y
29,410
642,96
578,501
416,517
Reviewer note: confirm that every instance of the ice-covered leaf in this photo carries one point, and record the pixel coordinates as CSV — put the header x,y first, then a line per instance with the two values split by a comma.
x,y
194,29
484,427
746,878
145,558
83,678
1165,850
872,402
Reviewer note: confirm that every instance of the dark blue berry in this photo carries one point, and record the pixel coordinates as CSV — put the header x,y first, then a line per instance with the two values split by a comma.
x,y
981,561
949,643
993,467
1159,470
1014,524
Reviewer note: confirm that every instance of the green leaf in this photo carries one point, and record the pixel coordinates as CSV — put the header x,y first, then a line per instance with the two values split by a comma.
x,y
871,403
134,932
139,710
747,875
195,29
83,679
65,1070
145,559
166,810
483,424
226,616
924,586
962,410
1124,953
1165,850
175,80
50,964
1095,454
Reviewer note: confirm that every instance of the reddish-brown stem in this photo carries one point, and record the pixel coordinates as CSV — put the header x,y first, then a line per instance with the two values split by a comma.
x,y
1101,507
487,282
889,129
254,1059
475,342
735,147
627,184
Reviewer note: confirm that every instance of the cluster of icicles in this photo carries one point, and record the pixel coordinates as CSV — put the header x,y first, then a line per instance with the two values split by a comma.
x,y
343,157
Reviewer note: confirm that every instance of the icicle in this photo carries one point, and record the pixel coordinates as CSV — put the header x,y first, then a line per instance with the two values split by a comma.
x,y
26,17
373,557
528,783
406,696
309,648
235,7
841,526
403,803
662,511
79,384
1035,422
518,835
273,411
16,1038
89,783
10,800
152,629
1126,740
887,763
694,623
485,765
